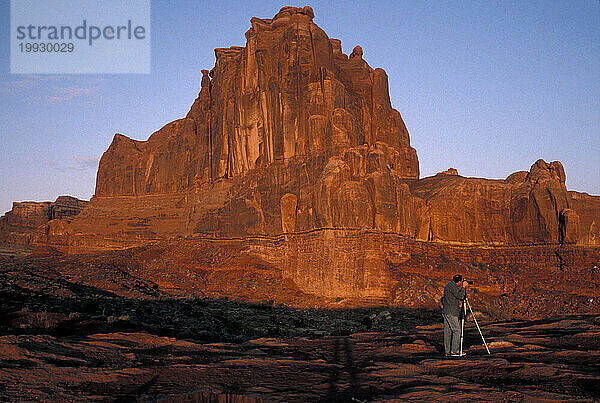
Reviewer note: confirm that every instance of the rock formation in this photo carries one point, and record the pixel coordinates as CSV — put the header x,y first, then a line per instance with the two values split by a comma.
x,y
289,134
291,183
587,209
19,225
289,114
292,156
525,208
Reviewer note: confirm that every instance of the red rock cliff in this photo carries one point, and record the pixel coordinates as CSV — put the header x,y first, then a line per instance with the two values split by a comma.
x,y
288,95
525,208
289,134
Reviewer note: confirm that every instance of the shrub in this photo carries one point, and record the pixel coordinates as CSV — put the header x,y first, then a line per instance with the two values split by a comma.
x,y
188,333
75,315
39,320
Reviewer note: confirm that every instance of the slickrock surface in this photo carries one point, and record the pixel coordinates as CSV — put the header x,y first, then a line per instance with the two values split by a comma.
x,y
552,360
114,326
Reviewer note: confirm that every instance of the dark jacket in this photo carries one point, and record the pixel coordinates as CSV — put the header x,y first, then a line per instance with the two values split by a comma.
x,y
452,297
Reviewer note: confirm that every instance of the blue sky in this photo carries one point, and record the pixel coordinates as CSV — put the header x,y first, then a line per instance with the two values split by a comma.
x,y
484,87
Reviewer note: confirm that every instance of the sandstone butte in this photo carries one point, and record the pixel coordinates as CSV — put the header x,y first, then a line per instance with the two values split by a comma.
x,y
292,149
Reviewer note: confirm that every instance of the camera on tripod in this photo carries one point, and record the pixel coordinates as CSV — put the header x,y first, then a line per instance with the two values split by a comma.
x,y
458,279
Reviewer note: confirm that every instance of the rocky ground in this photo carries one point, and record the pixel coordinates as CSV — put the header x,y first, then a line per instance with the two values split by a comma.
x,y
551,360
125,339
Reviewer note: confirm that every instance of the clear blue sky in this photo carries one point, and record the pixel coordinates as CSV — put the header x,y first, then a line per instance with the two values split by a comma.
x,y
485,87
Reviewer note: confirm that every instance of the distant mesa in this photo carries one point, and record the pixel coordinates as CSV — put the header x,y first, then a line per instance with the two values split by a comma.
x,y
449,171
19,225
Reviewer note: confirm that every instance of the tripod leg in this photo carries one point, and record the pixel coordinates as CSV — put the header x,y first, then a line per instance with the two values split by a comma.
x,y
477,324
462,327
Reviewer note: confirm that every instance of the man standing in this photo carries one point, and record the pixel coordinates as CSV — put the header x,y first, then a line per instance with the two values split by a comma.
x,y
454,292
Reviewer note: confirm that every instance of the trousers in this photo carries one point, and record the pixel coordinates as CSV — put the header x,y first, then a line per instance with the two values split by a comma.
x,y
451,334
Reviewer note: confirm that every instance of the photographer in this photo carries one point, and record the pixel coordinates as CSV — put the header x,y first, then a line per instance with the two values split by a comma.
x,y
454,292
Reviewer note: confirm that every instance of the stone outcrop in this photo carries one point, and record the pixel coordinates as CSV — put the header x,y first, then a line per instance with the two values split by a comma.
x,y
286,95
289,134
19,225
525,208
289,113
587,209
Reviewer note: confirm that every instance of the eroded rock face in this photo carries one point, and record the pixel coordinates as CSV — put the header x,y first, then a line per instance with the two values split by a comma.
x,y
285,106
18,226
286,95
587,208
289,134
525,208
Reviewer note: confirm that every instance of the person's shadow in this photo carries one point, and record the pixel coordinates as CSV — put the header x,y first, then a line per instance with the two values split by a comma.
x,y
343,355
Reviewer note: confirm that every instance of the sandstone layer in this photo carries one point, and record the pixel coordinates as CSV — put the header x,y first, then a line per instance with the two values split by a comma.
x,y
332,268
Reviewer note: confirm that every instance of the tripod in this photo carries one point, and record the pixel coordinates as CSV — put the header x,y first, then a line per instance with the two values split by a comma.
x,y
462,325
